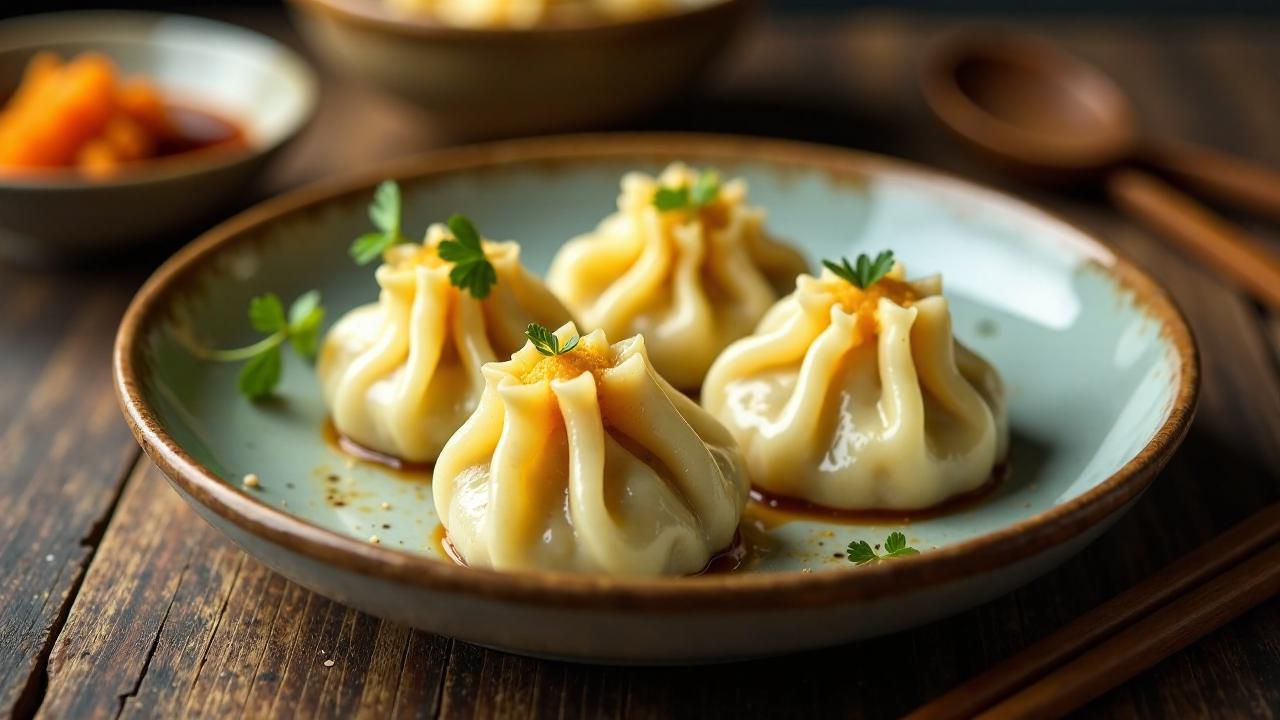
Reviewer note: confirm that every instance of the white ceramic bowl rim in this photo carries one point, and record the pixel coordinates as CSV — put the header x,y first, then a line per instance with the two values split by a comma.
x,y
1008,545
34,32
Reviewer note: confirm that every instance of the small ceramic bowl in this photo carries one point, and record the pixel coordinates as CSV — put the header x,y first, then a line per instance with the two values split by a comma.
x,y
499,82
1101,370
234,73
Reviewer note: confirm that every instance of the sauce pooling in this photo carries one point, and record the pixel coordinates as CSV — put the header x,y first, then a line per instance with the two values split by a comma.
x,y
770,511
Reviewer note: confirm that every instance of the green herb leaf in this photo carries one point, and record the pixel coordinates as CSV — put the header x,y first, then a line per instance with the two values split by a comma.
x,y
385,209
895,546
263,363
266,313
895,542
305,316
472,270
368,247
866,273
860,553
384,212
261,374
706,188
703,193
667,199
546,342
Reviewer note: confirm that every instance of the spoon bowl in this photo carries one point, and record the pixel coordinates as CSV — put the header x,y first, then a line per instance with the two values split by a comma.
x,y
1040,113
1028,106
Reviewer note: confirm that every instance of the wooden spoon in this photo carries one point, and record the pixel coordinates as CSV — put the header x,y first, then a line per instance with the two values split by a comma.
x,y
1041,113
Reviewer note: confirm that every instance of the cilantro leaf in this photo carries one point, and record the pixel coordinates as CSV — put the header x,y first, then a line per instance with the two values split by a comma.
x,y
705,188
305,316
860,553
384,212
385,209
895,546
263,362
866,273
368,247
667,199
472,270
703,192
266,313
261,374
546,342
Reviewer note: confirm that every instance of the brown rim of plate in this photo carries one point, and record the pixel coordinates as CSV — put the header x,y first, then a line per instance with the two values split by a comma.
x,y
706,593
373,15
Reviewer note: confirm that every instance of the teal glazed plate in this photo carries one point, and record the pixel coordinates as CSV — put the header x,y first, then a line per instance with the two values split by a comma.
x,y
1101,369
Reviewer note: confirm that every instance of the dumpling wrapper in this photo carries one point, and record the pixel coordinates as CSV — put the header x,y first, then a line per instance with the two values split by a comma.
x,y
589,462
399,376
690,282
861,400
528,13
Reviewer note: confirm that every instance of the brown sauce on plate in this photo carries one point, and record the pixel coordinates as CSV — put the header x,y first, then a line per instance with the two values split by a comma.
x,y
770,511
344,446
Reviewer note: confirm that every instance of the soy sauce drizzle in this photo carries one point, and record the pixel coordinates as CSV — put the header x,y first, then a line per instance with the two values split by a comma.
x,y
344,446
769,511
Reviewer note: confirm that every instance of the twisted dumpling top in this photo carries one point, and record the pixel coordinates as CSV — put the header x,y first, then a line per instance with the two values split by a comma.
x,y
691,279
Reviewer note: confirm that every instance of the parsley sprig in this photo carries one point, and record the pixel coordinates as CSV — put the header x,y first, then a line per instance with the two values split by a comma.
x,y
384,211
263,363
702,193
895,546
865,272
546,342
471,271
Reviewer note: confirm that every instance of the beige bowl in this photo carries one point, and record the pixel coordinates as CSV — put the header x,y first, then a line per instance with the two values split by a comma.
x,y
241,75
495,82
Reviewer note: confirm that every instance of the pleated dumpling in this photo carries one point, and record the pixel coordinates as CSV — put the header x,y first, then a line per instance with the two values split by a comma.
x,y
399,376
685,261
581,458
858,398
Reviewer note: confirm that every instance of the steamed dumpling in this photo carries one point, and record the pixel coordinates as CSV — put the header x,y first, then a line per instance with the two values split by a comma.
x,y
589,461
526,13
400,375
690,280
861,399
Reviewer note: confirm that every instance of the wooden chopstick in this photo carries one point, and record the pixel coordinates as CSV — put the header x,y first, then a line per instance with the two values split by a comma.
x,y
1206,562
1146,642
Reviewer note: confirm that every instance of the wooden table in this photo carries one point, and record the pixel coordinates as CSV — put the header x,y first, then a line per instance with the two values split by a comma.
x,y
118,600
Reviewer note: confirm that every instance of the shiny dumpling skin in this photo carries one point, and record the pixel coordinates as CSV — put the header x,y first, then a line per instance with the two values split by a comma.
x,y
690,283
399,376
614,472
902,418
526,13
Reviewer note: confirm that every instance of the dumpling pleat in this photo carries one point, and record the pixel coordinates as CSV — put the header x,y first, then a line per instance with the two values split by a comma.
x,y
612,470
641,284
523,466
638,408
828,410
428,333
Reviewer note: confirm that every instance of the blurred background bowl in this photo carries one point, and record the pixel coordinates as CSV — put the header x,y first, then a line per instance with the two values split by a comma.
x,y
480,83
234,73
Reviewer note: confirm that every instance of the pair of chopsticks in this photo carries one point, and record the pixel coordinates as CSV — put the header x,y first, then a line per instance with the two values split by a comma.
x,y
1115,641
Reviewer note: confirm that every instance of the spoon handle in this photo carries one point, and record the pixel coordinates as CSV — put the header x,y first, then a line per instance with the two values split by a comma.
x,y
1244,184
1199,231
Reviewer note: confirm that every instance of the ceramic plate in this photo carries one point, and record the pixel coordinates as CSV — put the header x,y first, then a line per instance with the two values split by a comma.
x,y
1100,366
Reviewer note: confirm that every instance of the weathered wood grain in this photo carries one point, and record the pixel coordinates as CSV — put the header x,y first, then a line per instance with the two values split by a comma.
x,y
65,454
173,621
